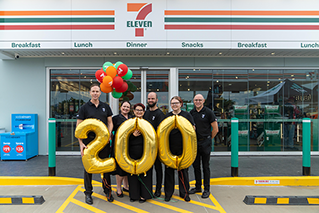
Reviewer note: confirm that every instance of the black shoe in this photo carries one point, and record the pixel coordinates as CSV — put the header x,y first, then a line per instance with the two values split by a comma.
x,y
126,190
205,194
194,190
167,199
157,193
187,199
120,195
88,199
110,198
132,200
142,200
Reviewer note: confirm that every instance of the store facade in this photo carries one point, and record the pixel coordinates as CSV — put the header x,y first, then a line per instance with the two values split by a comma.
x,y
248,60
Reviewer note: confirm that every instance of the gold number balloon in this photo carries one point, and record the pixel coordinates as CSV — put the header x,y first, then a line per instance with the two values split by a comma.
x,y
91,161
188,156
121,150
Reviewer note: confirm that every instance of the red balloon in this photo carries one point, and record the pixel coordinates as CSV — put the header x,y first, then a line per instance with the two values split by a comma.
x,y
123,88
117,82
99,75
122,70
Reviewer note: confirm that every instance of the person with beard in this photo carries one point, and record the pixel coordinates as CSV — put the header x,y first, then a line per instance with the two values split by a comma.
x,y
155,116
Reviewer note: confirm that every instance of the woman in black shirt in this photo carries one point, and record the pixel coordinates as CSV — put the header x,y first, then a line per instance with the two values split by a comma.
x,y
176,147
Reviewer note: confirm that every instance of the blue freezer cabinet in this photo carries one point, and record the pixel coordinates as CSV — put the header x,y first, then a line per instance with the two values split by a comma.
x,y
22,142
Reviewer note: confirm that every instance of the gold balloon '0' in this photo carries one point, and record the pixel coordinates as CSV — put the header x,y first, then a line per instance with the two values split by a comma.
x,y
188,156
121,150
91,161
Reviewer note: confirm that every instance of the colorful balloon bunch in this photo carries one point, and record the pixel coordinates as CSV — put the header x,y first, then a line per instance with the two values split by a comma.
x,y
114,78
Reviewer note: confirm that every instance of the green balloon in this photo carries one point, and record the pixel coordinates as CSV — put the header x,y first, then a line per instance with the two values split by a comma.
x,y
134,88
118,64
106,65
116,94
128,75
125,98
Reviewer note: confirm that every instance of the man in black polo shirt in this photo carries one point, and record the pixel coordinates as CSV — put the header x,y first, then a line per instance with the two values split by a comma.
x,y
204,119
155,116
94,108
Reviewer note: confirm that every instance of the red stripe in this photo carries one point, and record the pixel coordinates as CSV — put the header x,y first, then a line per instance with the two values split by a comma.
x,y
144,12
57,27
241,27
139,32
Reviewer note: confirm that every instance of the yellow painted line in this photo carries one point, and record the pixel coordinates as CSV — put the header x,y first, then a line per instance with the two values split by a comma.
x,y
118,203
168,206
196,203
27,200
250,181
68,200
282,200
5,200
31,180
260,200
216,203
313,200
87,206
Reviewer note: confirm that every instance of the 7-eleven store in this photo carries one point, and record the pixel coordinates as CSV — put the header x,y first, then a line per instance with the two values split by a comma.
x,y
236,53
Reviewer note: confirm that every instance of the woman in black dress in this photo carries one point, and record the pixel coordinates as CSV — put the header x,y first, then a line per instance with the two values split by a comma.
x,y
140,185
121,176
176,147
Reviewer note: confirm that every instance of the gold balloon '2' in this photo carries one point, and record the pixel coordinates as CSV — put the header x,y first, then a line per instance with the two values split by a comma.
x,y
188,156
122,157
91,161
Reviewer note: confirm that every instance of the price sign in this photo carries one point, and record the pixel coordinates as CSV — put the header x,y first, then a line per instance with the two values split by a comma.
x,y
6,149
19,149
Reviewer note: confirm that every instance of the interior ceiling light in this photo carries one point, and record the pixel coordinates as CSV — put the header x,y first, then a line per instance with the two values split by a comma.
x,y
62,53
272,53
115,53
220,53
167,53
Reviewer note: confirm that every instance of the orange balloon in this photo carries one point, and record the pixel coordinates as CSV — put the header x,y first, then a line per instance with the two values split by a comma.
x,y
108,81
111,71
105,88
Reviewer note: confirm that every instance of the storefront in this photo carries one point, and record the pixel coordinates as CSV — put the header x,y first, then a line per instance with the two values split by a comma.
x,y
248,60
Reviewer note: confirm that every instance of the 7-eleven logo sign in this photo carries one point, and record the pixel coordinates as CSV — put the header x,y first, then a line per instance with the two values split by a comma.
x,y
142,9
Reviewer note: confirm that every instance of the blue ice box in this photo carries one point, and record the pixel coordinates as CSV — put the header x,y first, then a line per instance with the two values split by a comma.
x,y
22,142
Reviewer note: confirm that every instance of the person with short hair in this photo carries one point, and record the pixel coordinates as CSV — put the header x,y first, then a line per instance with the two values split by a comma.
x,y
97,109
155,116
176,148
206,130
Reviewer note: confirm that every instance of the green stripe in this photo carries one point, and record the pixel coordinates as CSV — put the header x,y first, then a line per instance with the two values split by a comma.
x,y
254,20
46,20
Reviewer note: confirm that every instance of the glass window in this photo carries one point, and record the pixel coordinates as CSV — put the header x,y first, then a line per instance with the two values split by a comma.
x,y
134,95
157,81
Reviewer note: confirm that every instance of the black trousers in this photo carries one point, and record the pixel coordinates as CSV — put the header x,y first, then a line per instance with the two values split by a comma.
x,y
159,174
139,189
203,155
106,183
169,182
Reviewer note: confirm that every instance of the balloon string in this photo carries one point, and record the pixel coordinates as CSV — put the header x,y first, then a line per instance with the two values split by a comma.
x,y
181,177
107,186
140,179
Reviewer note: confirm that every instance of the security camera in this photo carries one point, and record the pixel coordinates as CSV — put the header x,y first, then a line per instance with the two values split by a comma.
x,y
16,55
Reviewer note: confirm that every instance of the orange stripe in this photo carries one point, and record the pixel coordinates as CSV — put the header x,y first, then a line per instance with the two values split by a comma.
x,y
135,7
241,13
57,13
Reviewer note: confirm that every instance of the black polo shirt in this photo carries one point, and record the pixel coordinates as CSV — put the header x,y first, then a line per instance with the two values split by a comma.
x,y
175,136
89,110
203,120
154,117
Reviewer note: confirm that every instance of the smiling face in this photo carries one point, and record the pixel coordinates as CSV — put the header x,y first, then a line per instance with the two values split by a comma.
x,y
95,93
151,99
125,108
199,101
139,112
176,104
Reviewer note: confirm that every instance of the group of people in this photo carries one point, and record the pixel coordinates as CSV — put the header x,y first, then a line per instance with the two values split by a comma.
x,y
140,187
